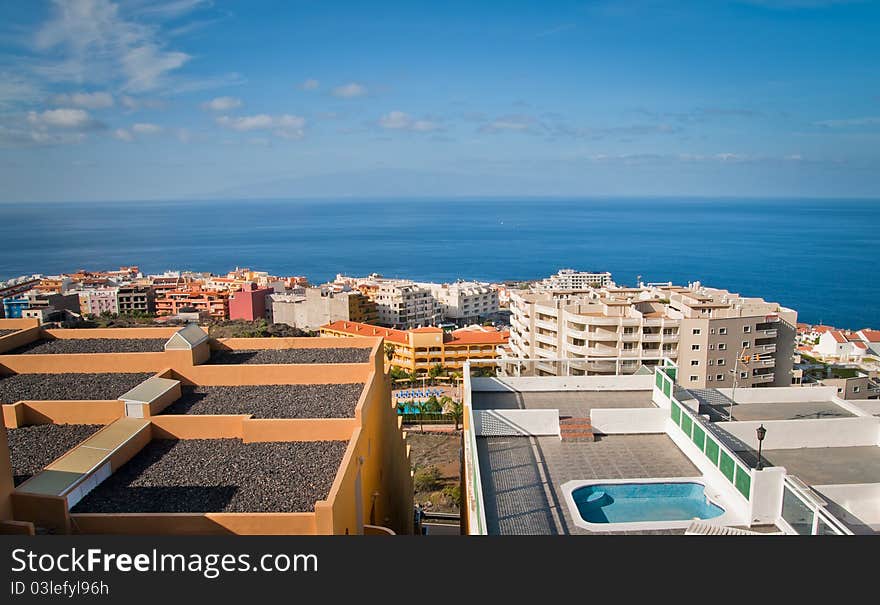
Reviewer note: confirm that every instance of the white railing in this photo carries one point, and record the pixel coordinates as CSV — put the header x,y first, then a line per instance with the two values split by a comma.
x,y
805,513
476,511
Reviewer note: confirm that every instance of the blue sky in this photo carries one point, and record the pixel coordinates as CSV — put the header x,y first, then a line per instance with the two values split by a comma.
x,y
177,99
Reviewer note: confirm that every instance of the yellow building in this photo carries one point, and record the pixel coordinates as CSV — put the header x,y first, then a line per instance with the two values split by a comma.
x,y
418,349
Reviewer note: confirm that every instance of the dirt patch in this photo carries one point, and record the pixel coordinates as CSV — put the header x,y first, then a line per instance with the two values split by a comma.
x,y
437,491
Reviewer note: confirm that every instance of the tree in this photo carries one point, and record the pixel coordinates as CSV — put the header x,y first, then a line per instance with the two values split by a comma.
x,y
389,351
436,370
431,406
454,408
416,406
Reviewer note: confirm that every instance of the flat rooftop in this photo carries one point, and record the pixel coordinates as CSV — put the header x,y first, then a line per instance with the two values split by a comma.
x,y
60,346
290,356
5,332
569,403
270,401
825,465
522,476
48,387
219,475
32,447
797,410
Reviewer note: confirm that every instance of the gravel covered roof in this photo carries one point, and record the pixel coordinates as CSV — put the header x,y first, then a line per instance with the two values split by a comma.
x,y
287,356
271,401
33,447
41,387
91,345
5,332
219,475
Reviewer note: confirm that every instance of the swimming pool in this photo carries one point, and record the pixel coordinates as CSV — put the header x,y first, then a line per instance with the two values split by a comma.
x,y
640,504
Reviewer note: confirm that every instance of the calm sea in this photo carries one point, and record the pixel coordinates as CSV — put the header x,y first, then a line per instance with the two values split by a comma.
x,y
818,257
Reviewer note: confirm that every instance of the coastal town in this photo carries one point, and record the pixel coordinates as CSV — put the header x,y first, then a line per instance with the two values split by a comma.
x,y
423,394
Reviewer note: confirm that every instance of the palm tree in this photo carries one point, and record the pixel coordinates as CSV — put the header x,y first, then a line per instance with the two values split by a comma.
x,y
454,408
436,370
389,351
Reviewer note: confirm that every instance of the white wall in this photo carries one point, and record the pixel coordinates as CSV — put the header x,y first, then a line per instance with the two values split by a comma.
x,y
794,434
490,423
860,499
631,421
766,499
781,394
564,383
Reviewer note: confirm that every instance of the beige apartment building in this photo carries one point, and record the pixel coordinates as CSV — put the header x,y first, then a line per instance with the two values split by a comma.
x,y
618,330
321,306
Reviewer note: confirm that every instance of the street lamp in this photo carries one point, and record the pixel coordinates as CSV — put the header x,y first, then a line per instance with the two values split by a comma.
x,y
762,432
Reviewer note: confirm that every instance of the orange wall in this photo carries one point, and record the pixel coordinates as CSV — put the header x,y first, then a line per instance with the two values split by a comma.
x,y
195,523
6,482
197,427
62,412
80,363
165,333
233,375
297,429
17,339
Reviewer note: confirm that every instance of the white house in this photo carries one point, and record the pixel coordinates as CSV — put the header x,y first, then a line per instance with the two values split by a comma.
x,y
841,346
871,338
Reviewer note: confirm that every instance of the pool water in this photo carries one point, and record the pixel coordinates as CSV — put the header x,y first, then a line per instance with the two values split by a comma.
x,y
633,502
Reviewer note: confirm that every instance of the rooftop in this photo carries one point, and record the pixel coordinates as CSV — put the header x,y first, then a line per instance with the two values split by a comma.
x,y
61,346
270,401
522,476
199,475
51,387
289,356
32,447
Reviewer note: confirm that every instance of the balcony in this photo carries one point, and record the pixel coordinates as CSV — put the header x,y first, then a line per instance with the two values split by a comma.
x,y
651,337
763,378
545,338
628,353
603,335
767,348
670,338
630,337
769,333
547,325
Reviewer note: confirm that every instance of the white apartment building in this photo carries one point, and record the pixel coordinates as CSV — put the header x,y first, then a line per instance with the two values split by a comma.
x,y
405,305
710,334
464,302
574,281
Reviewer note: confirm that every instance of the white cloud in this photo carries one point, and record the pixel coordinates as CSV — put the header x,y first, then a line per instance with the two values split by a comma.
x,y
222,104
399,120
60,118
286,126
310,84
99,44
123,135
146,128
509,124
87,100
349,91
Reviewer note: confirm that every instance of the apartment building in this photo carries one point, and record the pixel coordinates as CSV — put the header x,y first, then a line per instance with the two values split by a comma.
x,y
136,299
419,349
724,334
464,302
99,300
710,333
576,281
249,303
611,335
319,306
405,304
212,302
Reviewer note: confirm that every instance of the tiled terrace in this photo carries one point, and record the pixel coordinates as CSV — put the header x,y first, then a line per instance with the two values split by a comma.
x,y
522,476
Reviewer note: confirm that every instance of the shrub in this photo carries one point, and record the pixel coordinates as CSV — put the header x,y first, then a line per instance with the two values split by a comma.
x,y
426,479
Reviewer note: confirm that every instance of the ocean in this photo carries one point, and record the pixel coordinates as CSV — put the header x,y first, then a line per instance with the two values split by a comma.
x,y
816,256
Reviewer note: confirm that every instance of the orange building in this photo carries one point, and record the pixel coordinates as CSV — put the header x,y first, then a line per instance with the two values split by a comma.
x,y
214,303
419,349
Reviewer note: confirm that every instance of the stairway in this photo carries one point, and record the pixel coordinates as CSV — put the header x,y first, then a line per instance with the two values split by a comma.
x,y
575,429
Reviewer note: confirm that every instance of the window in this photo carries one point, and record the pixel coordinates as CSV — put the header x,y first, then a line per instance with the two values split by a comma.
x,y
719,377
746,344
722,346
711,347
694,378
743,374
856,389
722,331
721,362
695,362
711,330
747,329
711,362
695,331
708,379
695,347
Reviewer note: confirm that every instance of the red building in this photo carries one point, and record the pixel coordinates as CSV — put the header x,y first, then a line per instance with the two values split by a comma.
x,y
249,303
